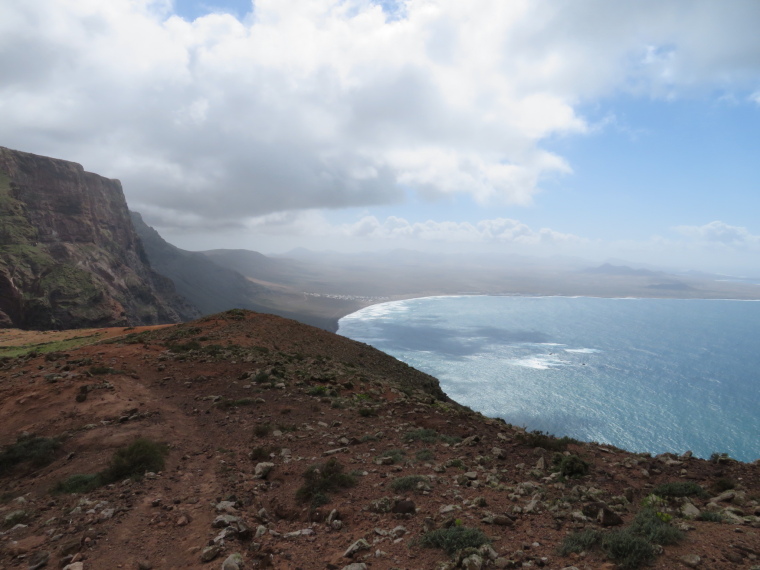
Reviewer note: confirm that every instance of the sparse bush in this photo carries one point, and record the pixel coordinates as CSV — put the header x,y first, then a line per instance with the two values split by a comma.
x,y
263,452
571,466
39,451
545,440
262,430
184,347
100,370
134,460
428,436
724,484
679,489
318,391
367,412
225,403
424,455
408,483
397,455
628,550
322,478
647,524
710,516
79,483
454,538
580,541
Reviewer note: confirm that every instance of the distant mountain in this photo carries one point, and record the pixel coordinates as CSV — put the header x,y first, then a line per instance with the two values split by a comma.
x,y
208,281
69,255
609,269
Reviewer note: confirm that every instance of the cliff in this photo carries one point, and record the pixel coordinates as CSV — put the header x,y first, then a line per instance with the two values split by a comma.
x,y
69,255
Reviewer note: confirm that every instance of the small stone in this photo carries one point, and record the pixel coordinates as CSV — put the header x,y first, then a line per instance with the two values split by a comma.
x,y
210,552
38,560
357,546
262,470
356,566
144,565
233,562
74,566
691,560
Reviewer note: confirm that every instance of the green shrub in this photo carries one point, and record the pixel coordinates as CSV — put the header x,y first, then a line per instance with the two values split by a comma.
x,y
724,484
571,466
262,430
225,403
134,460
408,483
650,526
428,436
710,516
39,451
79,483
184,347
322,478
396,454
628,550
679,489
545,440
454,538
424,455
367,412
263,452
100,370
580,542
318,391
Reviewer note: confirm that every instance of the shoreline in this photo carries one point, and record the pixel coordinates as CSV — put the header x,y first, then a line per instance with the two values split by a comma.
x,y
652,453
335,320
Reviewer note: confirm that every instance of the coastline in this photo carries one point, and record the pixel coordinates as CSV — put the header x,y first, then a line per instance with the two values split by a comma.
x,y
632,449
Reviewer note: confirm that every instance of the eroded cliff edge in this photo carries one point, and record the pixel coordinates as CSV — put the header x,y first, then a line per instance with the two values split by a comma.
x,y
69,255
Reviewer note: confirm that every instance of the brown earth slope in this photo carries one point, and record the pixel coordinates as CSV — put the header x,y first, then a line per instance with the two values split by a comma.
x,y
69,255
247,403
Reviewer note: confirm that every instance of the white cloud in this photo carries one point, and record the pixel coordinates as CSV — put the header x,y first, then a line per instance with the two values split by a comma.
x,y
393,228
721,234
329,103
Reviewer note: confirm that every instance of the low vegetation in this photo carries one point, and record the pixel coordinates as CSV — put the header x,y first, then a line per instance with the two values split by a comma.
x,y
454,538
545,440
409,483
133,461
429,436
321,478
36,451
631,547
679,489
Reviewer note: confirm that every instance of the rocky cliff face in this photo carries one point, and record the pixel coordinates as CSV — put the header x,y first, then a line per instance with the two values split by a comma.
x,y
69,255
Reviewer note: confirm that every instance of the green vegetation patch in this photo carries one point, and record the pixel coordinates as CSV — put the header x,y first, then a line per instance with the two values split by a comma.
x,y
409,483
38,451
679,489
570,466
132,461
545,440
454,538
429,436
631,547
321,478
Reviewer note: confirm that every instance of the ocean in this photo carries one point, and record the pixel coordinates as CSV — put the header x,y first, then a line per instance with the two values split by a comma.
x,y
646,375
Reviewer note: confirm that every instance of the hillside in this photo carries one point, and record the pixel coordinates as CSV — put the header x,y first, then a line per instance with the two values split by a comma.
x,y
69,256
259,415
207,281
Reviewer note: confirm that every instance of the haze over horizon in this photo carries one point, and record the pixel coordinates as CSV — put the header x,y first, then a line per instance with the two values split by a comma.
x,y
624,130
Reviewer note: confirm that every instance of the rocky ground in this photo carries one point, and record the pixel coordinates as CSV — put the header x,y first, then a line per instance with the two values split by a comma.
x,y
248,403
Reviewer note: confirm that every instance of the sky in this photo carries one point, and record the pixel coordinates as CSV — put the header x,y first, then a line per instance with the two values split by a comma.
x,y
625,130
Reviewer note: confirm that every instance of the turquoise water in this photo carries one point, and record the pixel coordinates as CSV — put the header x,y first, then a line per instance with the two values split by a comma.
x,y
650,375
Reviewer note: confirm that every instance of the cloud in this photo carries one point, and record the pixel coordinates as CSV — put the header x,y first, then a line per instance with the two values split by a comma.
x,y
721,234
394,228
332,104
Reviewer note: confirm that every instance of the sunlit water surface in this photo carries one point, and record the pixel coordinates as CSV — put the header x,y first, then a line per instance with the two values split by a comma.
x,y
650,375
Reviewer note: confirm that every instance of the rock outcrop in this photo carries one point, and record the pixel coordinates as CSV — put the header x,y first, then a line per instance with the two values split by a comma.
x,y
69,255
